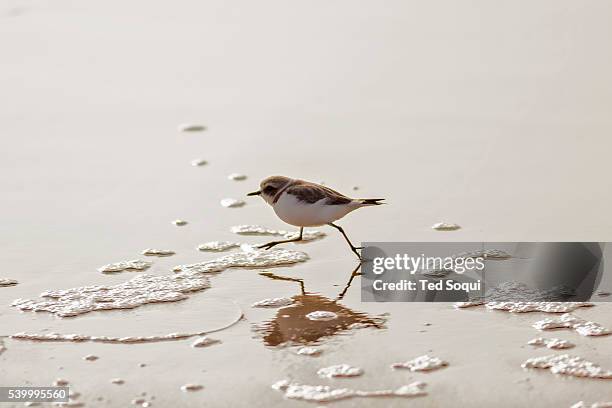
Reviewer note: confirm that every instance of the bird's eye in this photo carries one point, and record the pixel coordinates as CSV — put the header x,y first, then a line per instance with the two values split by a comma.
x,y
269,190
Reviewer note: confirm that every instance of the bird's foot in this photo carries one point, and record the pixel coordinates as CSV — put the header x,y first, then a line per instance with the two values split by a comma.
x,y
268,245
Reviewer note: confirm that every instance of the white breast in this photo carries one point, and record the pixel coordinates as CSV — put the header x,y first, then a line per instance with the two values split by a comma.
x,y
302,214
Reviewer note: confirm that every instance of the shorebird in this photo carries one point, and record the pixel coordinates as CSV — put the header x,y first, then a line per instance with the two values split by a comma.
x,y
305,204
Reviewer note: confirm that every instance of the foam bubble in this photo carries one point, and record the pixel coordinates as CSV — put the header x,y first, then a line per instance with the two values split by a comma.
x,y
422,363
526,307
191,127
158,252
237,177
198,162
340,370
309,351
546,307
600,404
444,226
133,265
138,291
256,258
465,305
204,342
218,246
566,364
7,282
232,203
273,302
191,387
553,343
569,321
145,288
324,393
488,254
308,235
321,315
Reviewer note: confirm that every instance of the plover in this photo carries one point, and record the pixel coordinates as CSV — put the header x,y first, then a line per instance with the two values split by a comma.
x,y
305,204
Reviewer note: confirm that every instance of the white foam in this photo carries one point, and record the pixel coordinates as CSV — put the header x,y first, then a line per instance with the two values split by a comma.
x,y
191,127
57,337
465,305
569,321
309,351
444,226
232,203
133,265
566,364
204,342
321,315
179,223
308,235
198,162
158,252
218,246
600,404
273,302
436,273
146,289
339,370
191,387
138,291
553,343
422,363
526,307
488,254
324,393
255,258
8,282
237,177
546,307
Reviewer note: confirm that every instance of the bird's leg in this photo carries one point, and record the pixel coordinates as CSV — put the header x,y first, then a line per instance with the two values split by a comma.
x,y
274,243
353,247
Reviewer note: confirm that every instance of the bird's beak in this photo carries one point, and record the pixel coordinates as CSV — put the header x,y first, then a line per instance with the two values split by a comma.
x,y
254,193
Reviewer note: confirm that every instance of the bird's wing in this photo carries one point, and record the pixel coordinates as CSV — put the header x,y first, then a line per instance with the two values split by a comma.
x,y
311,193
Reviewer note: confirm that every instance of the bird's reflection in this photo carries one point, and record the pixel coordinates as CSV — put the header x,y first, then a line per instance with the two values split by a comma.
x,y
290,326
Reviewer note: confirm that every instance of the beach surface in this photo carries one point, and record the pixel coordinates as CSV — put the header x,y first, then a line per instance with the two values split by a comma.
x,y
491,115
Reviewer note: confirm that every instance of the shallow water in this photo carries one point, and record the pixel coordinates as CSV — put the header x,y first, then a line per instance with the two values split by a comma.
x,y
522,156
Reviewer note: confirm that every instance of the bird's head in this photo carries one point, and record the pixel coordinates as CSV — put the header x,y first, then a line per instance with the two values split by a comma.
x,y
270,186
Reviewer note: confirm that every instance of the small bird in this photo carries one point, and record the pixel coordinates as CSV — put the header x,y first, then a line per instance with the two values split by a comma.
x,y
305,204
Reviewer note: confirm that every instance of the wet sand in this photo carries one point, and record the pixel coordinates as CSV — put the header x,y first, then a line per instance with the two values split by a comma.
x,y
491,116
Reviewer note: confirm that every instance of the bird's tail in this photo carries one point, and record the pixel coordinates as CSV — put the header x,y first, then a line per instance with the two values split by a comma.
x,y
371,201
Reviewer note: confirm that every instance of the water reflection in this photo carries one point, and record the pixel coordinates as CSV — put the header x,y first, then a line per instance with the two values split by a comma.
x,y
290,326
